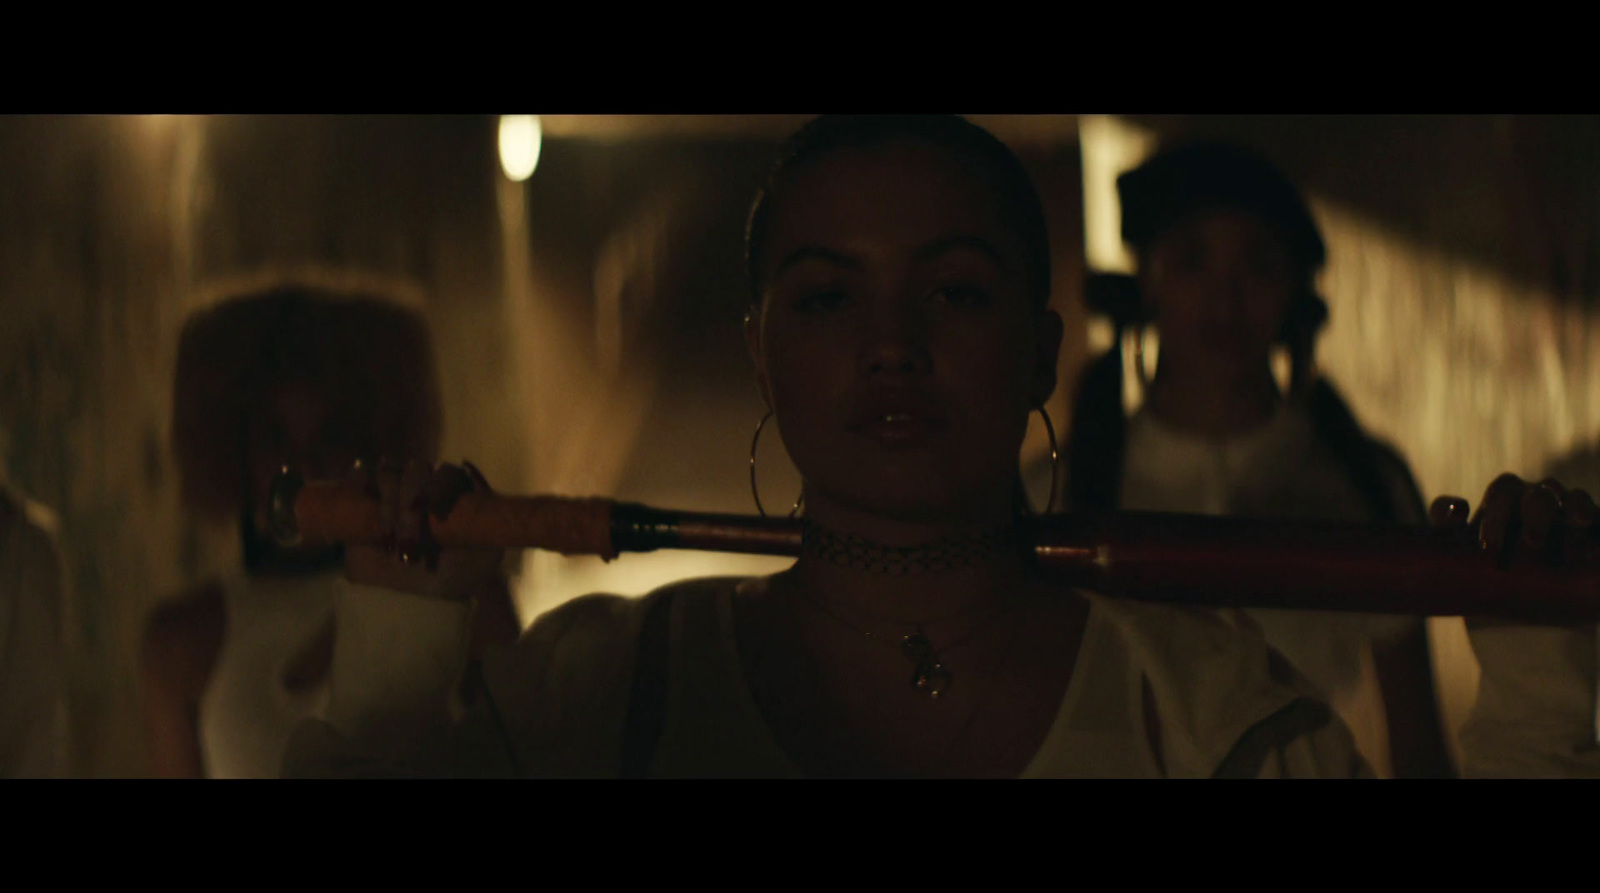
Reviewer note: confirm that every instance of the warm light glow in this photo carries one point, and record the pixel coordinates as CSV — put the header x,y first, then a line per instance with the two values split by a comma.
x,y
1100,333
1138,343
1111,147
1282,368
520,140
548,581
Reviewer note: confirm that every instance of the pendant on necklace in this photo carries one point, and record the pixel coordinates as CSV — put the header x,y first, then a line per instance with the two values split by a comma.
x,y
930,676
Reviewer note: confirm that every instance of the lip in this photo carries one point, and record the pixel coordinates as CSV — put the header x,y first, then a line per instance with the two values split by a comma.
x,y
897,418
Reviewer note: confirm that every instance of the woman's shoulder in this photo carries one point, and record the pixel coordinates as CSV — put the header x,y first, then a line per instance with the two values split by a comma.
x,y
1358,447
563,690
183,637
602,615
1390,460
202,604
1410,507
601,630
1211,674
1179,629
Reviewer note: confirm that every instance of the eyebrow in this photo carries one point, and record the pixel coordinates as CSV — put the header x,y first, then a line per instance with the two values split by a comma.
x,y
944,246
932,250
815,253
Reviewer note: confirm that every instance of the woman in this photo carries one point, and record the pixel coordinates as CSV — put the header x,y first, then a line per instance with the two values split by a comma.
x,y
901,337
1228,253
272,378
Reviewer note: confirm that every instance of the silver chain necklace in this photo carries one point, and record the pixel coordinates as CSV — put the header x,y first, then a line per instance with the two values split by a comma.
x,y
929,674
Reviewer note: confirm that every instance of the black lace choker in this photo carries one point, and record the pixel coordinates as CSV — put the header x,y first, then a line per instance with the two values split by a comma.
x,y
950,553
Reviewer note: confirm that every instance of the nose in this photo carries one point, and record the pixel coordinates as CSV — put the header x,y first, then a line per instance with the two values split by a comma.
x,y
321,463
1228,295
303,458
897,344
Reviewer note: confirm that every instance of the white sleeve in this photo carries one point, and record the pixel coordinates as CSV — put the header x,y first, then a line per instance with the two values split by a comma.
x,y
1535,716
554,705
397,662
1324,751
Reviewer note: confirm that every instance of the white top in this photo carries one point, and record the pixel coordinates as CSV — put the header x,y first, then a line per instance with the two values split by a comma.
x,y
1536,714
558,701
246,712
33,672
713,727
1279,470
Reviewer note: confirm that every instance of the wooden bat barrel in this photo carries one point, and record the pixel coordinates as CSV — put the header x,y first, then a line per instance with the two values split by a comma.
x,y
1204,561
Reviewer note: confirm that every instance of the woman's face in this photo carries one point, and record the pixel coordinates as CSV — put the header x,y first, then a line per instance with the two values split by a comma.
x,y
296,426
897,342
1219,286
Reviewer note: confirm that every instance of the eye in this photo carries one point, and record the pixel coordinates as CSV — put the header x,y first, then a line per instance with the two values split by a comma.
x,y
269,439
337,433
1191,258
822,301
962,296
1269,265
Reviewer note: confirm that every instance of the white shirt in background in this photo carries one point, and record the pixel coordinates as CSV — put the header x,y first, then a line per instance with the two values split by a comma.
x,y
1280,470
247,713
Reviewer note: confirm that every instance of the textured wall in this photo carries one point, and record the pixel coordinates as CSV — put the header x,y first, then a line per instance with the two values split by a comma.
x,y
1463,278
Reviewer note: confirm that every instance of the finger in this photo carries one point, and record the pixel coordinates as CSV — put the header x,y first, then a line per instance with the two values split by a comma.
x,y
359,560
1560,492
1498,510
412,518
386,479
1540,511
363,475
448,483
1579,511
1578,524
478,479
1448,512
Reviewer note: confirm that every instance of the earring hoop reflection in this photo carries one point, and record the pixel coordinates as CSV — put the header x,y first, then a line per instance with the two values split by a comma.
x,y
754,491
1055,461
1140,370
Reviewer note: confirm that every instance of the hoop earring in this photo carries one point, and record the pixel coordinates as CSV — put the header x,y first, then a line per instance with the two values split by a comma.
x,y
753,490
1284,373
1055,461
1139,333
